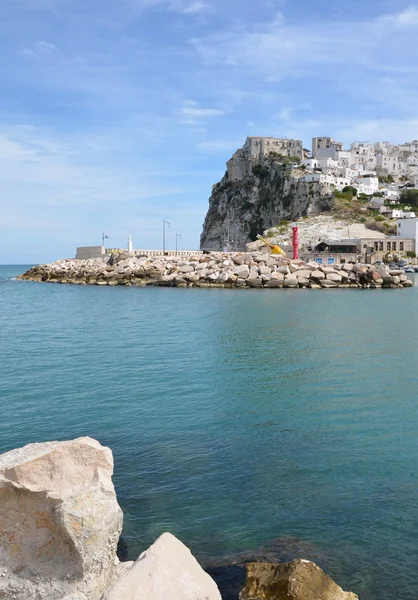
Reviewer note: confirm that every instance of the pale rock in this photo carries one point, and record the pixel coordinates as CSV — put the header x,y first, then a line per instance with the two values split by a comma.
x,y
271,262
200,266
277,276
326,283
186,268
290,282
317,275
327,270
254,273
303,281
254,281
59,520
298,580
303,273
264,270
274,283
166,571
242,271
293,268
336,277
283,269
358,268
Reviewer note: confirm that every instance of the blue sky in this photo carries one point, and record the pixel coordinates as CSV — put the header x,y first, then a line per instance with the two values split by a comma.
x,y
117,114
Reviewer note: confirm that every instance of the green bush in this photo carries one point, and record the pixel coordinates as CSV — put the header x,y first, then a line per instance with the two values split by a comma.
x,y
410,197
410,254
379,218
349,189
260,171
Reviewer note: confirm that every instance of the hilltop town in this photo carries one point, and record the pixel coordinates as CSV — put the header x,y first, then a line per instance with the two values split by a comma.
x,y
271,181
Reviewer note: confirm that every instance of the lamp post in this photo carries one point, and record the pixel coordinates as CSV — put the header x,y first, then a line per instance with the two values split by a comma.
x,y
168,225
178,236
104,237
295,240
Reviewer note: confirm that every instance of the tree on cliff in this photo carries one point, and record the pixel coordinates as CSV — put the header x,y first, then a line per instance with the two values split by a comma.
x,y
409,197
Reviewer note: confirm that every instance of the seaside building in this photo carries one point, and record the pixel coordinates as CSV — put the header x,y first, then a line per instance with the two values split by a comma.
x,y
408,228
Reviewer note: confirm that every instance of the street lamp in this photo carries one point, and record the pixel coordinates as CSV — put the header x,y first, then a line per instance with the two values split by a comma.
x,y
104,237
178,236
168,225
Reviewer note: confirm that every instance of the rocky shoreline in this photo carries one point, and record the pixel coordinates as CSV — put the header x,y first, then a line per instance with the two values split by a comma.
x,y
216,270
60,524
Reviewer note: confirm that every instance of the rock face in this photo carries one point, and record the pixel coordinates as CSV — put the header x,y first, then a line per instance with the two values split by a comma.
x,y
166,571
255,194
298,580
59,521
256,269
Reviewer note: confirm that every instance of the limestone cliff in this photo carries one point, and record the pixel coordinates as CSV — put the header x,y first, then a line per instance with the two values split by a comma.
x,y
257,192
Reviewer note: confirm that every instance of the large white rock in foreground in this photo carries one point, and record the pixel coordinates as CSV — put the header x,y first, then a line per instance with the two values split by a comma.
x,y
59,521
166,571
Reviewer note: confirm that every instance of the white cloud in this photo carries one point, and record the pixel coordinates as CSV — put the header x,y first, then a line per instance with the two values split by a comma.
x,y
281,49
405,18
190,111
41,49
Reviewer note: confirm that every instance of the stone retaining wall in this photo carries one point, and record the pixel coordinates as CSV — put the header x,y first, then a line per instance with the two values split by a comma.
x,y
216,270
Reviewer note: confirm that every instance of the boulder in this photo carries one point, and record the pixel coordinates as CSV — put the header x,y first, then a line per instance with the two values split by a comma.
x,y
335,277
254,281
317,275
303,281
242,271
327,283
59,520
290,282
264,270
186,268
305,273
274,283
298,580
358,268
166,571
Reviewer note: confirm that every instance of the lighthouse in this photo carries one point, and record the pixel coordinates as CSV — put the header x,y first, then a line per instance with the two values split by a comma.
x,y
129,243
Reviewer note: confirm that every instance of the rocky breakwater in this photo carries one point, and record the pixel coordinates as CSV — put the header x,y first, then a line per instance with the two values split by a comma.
x,y
217,270
59,527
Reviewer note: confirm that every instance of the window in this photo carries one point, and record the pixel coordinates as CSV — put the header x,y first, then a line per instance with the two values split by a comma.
x,y
400,245
376,246
388,246
381,246
393,245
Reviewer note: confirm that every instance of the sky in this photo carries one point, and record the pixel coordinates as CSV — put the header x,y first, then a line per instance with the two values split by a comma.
x,y
118,114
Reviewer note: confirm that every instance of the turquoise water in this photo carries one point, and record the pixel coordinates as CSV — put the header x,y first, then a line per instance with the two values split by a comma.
x,y
235,417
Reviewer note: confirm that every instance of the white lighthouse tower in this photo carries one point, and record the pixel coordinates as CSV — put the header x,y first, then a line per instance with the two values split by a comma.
x,y
129,243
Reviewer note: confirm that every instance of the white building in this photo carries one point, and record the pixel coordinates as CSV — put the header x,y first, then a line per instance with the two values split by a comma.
x,y
367,185
325,147
331,181
408,228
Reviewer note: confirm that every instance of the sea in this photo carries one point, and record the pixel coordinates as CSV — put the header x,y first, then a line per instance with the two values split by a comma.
x,y
237,418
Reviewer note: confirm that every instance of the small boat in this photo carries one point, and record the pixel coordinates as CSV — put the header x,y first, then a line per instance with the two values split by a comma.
x,y
409,270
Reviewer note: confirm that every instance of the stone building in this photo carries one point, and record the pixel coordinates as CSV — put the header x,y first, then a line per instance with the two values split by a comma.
x,y
256,149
